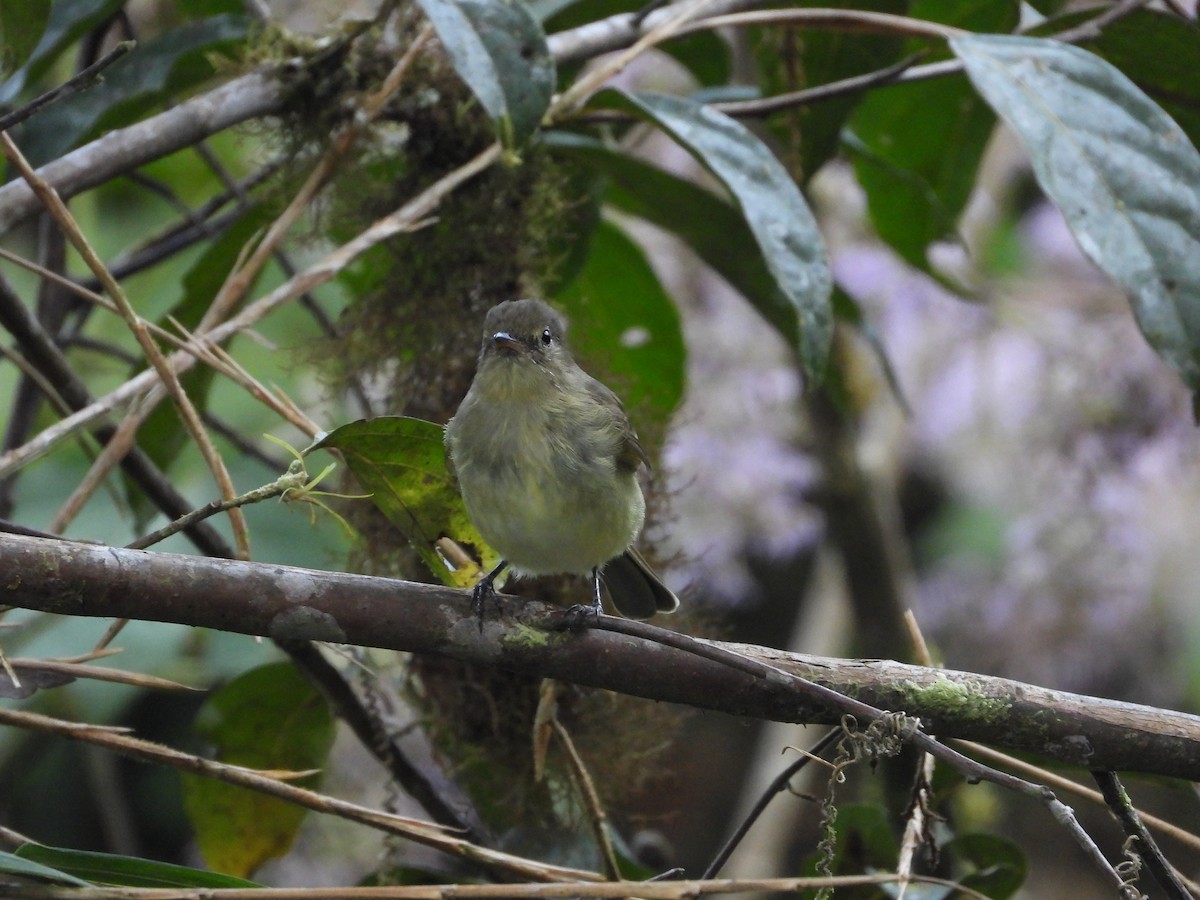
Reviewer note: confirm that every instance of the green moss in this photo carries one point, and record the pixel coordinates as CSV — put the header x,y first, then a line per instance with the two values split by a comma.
x,y
945,698
526,636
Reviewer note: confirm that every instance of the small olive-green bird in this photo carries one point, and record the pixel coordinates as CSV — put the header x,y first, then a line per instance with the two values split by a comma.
x,y
547,464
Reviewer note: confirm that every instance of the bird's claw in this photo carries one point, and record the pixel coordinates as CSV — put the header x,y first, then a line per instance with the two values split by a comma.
x,y
575,618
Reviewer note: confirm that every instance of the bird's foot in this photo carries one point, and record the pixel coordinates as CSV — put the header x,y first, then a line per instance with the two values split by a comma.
x,y
580,616
484,591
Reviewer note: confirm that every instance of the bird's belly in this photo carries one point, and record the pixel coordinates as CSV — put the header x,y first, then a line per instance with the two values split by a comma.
x,y
570,529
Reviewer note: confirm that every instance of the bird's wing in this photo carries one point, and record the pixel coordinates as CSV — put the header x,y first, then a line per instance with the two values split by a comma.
x,y
631,454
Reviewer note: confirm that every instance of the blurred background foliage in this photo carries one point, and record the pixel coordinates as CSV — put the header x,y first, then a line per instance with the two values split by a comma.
x,y
989,406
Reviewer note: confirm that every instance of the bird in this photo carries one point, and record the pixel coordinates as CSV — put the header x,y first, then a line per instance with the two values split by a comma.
x,y
547,464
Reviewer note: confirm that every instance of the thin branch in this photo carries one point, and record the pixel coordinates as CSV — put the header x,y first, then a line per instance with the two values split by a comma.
x,y
251,96
587,787
187,411
777,786
1146,847
292,480
409,217
854,20
43,353
74,85
425,833
1167,829
650,890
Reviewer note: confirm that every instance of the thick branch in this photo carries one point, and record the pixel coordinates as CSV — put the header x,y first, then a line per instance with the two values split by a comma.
x,y
302,604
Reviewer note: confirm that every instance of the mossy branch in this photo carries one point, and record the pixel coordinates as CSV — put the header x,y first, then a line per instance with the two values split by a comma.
x,y
303,604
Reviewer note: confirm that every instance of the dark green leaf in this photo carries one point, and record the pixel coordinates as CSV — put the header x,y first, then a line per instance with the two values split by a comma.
x,y
714,229
704,54
202,9
791,60
21,27
623,320
498,48
26,868
776,212
995,16
916,148
269,718
402,462
153,73
127,871
68,21
999,865
1124,175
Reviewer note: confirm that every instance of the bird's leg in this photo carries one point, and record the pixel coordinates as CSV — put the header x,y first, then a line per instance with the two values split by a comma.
x,y
577,616
485,590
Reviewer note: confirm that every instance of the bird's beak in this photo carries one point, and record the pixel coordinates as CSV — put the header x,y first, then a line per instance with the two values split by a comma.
x,y
506,343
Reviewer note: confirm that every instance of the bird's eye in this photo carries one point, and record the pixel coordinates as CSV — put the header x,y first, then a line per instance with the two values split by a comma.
x,y
547,337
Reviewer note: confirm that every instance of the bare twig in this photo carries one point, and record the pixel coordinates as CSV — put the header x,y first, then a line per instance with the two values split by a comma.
x,y
587,788
425,833
651,890
408,217
75,669
1147,848
80,82
972,770
1162,826
187,411
777,786
239,282
857,20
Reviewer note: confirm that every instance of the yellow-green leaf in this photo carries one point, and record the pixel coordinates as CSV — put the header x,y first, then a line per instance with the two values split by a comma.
x,y
402,462
268,718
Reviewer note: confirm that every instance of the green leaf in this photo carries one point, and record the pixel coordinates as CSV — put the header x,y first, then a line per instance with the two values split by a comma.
x,y
1124,175
999,865
916,148
622,319
402,462
153,73
21,27
25,868
714,229
778,216
997,16
127,871
68,21
792,59
268,718
499,49
704,54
